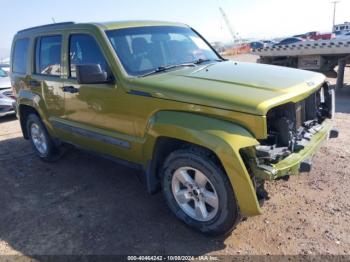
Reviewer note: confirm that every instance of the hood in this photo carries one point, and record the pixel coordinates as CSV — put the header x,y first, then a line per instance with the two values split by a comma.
x,y
238,86
5,82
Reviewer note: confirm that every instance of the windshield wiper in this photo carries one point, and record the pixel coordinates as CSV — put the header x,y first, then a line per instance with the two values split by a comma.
x,y
200,61
165,68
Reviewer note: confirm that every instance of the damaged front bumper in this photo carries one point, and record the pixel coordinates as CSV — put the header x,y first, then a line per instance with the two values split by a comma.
x,y
296,162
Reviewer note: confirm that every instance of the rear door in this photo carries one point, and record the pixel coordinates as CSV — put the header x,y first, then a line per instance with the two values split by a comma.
x,y
46,78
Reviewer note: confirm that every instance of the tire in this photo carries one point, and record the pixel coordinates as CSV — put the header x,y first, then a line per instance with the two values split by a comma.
x,y
47,152
186,201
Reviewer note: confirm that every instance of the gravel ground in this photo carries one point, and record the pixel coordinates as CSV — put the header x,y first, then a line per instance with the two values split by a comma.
x,y
84,204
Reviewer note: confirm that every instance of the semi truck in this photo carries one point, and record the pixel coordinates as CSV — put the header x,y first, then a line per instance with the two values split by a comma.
x,y
322,56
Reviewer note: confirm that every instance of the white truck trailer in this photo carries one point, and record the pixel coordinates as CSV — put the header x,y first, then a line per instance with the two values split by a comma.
x,y
321,55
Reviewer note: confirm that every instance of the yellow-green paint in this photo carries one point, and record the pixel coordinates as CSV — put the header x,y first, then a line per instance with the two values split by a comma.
x,y
219,106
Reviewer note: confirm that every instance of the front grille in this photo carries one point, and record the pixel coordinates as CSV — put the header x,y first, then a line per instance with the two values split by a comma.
x,y
305,110
299,114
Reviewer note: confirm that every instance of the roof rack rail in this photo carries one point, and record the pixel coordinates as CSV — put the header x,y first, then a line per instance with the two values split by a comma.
x,y
46,26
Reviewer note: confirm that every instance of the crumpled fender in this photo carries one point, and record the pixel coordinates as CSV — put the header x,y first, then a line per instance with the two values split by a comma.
x,y
224,138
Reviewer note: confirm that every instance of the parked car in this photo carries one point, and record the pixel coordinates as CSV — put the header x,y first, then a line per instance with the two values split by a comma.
x,y
344,36
289,40
5,67
315,35
204,130
7,100
256,45
268,43
261,44
301,36
340,29
3,74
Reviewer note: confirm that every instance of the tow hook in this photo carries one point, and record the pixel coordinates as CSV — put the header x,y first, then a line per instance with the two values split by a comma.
x,y
334,133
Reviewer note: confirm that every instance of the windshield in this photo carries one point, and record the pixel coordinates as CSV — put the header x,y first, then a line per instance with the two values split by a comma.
x,y
3,73
144,49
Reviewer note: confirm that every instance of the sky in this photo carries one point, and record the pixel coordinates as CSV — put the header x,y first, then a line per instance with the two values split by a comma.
x,y
249,18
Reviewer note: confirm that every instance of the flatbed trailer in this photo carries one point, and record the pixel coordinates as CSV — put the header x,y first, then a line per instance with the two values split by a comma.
x,y
322,56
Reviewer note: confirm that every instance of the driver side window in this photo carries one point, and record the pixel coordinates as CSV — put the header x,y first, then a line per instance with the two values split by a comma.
x,y
83,49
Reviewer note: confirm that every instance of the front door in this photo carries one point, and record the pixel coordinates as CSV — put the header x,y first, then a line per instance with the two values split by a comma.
x,y
95,114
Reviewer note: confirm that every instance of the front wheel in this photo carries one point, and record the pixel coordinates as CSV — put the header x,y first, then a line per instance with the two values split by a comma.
x,y
41,140
198,192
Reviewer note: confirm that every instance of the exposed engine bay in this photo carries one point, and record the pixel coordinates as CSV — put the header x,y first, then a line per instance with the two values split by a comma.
x,y
291,126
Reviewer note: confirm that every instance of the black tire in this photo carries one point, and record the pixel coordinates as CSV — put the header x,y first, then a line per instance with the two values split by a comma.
x,y
52,153
227,215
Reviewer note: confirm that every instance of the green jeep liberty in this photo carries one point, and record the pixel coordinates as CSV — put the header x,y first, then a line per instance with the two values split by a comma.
x,y
155,95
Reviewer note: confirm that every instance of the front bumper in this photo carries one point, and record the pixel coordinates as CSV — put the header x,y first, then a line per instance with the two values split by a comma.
x,y
293,164
7,107
11,112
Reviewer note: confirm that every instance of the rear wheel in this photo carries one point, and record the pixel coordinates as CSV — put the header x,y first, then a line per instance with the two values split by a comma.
x,y
198,192
41,140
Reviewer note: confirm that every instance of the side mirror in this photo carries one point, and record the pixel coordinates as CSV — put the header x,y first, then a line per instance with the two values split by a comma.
x,y
91,74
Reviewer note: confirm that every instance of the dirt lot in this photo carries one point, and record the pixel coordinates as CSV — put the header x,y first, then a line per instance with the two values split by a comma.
x,y
84,204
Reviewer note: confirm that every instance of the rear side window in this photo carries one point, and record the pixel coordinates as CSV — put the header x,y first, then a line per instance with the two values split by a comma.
x,y
83,49
48,55
20,56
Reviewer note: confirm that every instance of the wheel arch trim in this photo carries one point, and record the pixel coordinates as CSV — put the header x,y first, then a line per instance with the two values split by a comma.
x,y
26,99
223,138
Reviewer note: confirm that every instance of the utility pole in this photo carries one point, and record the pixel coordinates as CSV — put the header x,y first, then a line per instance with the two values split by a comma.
x,y
334,9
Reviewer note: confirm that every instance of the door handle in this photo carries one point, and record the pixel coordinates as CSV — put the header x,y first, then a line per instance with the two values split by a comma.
x,y
70,89
34,83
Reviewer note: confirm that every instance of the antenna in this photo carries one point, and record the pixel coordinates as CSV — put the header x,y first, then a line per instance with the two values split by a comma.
x,y
53,20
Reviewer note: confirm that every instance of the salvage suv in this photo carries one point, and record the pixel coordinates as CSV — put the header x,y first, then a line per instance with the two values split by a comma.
x,y
155,95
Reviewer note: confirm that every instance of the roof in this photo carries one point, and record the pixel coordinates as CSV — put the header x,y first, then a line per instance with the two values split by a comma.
x,y
101,25
53,25
136,23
